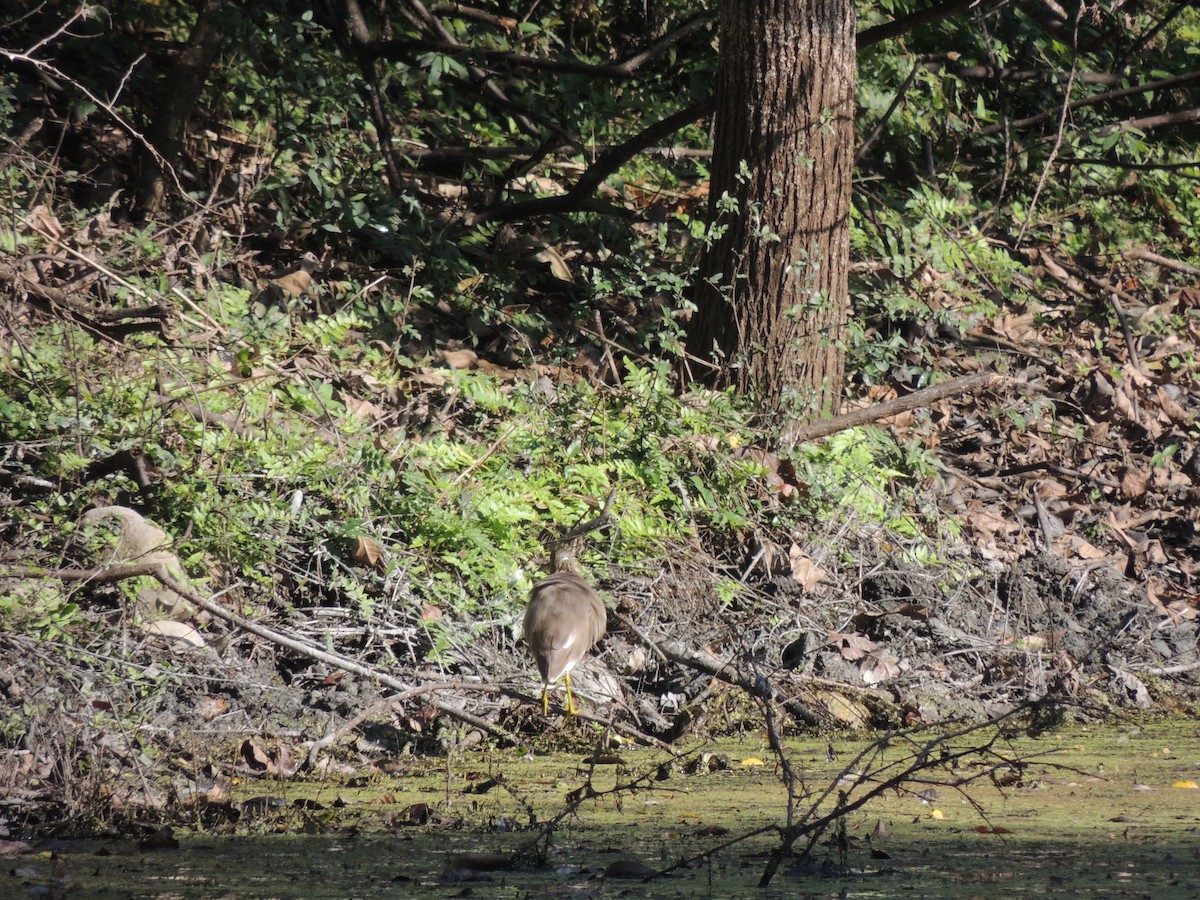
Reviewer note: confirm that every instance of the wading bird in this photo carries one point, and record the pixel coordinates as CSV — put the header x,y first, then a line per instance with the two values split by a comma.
x,y
565,618
564,621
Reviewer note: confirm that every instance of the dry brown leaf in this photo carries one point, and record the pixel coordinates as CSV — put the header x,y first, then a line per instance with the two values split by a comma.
x,y
1017,328
903,419
1051,489
414,814
1133,374
211,707
1133,484
1072,545
1131,690
430,378
780,472
1125,404
989,523
179,632
41,219
450,191
367,552
459,359
1178,610
503,373
878,666
467,285
255,755
1173,410
878,393
806,572
259,759
852,646
558,265
294,283
1164,479
363,409
866,620
1154,553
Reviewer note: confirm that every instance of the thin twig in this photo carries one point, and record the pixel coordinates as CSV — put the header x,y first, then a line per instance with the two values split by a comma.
x,y
1059,133
866,145
121,572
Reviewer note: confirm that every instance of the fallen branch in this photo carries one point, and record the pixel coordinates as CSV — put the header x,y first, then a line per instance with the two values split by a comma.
x,y
752,683
915,400
870,775
114,573
870,772
1166,262
121,572
115,322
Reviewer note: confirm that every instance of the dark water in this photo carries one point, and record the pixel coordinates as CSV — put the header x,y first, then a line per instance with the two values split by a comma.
x,y
1103,813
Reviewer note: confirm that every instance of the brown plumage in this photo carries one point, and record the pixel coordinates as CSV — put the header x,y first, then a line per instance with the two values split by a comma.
x,y
563,622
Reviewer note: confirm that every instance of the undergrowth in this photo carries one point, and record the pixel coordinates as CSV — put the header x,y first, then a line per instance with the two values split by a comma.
x,y
271,459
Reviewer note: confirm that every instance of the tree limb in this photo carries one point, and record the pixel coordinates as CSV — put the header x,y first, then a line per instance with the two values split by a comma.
x,y
608,163
1132,166
1105,97
926,396
1004,73
405,49
1146,123
904,24
752,683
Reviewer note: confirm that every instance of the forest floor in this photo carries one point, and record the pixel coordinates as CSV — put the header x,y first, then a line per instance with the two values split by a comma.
x,y
1067,571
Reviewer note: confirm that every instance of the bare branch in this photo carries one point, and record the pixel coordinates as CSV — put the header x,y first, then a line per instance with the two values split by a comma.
x,y
56,73
752,683
915,400
1161,84
883,120
627,67
1133,166
913,21
578,197
1003,73
1147,123
470,13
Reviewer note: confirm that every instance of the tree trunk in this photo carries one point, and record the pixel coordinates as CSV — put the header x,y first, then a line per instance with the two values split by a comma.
x,y
772,299
180,91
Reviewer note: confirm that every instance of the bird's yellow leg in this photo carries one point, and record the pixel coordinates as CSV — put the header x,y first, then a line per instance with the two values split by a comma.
x,y
545,700
570,700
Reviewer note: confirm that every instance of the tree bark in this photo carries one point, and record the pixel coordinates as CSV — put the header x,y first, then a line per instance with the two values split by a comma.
x,y
772,299
180,91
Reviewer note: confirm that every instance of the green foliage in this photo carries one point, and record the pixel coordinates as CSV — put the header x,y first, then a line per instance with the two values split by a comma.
x,y
462,473
851,470
962,165
480,507
463,505
40,608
